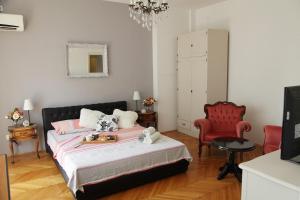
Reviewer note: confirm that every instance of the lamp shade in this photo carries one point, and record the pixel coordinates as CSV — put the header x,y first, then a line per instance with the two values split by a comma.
x,y
27,105
136,95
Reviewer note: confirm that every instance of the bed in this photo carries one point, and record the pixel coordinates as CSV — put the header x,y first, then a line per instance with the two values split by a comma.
x,y
114,183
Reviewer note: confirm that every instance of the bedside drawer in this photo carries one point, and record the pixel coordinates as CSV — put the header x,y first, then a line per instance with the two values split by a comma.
x,y
148,117
23,134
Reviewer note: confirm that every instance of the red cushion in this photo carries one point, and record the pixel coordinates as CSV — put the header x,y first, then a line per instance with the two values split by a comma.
x,y
212,135
224,117
272,138
273,135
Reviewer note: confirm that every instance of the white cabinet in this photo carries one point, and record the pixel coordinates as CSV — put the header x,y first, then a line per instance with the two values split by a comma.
x,y
199,88
269,177
184,46
199,43
193,44
201,75
184,90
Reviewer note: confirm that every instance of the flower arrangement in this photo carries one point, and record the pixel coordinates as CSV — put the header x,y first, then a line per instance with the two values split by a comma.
x,y
15,115
148,103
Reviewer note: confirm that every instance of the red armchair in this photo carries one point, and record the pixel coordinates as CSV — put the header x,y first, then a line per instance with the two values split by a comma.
x,y
223,119
272,140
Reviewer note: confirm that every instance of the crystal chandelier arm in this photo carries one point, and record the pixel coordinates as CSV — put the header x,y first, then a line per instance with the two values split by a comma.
x,y
146,11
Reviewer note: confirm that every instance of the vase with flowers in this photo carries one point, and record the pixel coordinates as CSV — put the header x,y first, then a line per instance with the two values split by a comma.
x,y
15,116
148,103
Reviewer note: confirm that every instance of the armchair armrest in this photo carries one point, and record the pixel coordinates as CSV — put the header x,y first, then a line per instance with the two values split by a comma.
x,y
241,127
204,126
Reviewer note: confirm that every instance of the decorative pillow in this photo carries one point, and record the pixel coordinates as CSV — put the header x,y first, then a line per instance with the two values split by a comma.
x,y
107,123
66,126
89,118
127,119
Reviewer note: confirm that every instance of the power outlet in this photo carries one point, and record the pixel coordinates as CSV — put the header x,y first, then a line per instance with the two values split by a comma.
x,y
1,8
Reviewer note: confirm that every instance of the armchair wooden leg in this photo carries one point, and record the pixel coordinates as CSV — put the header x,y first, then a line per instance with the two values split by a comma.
x,y
241,157
209,149
200,149
241,154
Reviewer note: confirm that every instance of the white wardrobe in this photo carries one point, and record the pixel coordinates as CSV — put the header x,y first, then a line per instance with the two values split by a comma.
x,y
201,75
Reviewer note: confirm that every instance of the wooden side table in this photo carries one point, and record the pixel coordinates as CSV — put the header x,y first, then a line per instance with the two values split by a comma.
x,y
147,119
21,133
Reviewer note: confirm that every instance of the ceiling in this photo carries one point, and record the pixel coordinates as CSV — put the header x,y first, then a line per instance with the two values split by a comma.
x,y
181,3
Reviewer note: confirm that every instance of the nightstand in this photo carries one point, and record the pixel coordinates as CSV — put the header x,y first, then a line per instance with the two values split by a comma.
x,y
21,133
147,119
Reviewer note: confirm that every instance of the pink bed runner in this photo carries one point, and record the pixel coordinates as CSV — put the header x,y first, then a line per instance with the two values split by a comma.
x,y
94,163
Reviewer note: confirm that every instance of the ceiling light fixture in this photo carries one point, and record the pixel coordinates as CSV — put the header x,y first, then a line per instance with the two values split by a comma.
x,y
147,12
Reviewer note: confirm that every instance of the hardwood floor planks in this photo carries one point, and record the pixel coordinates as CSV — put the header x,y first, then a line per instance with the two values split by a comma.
x,y
31,178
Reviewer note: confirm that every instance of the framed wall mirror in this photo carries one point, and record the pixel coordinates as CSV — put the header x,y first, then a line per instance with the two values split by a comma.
x,y
87,60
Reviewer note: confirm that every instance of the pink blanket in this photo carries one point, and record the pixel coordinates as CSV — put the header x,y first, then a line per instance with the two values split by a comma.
x,y
72,145
93,163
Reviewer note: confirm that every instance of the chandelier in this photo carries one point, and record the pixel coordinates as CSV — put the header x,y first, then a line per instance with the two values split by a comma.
x,y
147,12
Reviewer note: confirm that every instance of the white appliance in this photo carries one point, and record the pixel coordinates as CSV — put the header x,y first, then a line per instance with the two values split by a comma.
x,y
11,22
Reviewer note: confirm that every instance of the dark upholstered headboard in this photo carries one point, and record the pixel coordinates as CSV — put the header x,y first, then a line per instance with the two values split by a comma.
x,y
73,112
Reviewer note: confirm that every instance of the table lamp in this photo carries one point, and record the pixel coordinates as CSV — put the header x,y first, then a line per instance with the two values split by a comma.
x,y
28,106
136,98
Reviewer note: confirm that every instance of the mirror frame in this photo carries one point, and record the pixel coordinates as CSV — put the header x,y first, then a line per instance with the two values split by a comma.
x,y
103,47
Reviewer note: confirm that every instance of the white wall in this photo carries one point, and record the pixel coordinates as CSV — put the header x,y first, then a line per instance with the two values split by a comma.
x,y
264,54
213,16
32,63
165,63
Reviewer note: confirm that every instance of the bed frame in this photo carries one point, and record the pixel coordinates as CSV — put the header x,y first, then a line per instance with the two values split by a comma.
x,y
113,185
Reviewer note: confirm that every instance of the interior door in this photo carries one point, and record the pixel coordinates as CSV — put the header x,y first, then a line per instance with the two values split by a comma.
x,y
184,90
184,46
199,88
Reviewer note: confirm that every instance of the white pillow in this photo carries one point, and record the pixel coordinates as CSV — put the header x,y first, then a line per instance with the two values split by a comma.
x,y
127,119
89,118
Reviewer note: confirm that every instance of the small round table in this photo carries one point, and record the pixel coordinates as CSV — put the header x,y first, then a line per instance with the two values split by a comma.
x,y
232,145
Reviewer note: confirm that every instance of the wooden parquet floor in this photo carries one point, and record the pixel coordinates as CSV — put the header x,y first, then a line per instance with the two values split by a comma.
x,y
33,179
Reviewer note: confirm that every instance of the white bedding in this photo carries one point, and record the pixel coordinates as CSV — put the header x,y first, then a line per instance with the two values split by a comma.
x,y
89,164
